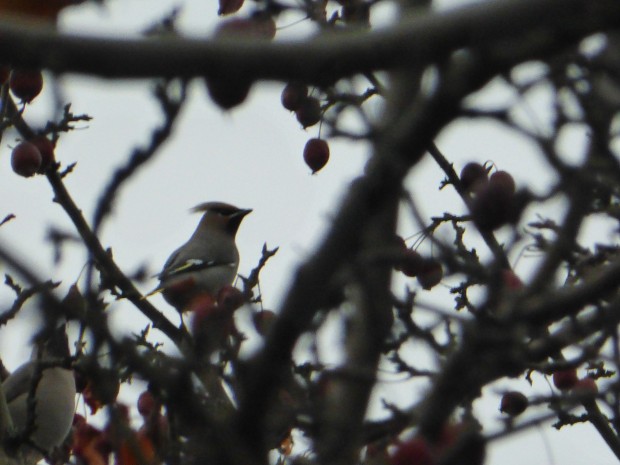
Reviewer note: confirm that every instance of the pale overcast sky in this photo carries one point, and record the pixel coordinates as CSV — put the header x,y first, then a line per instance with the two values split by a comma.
x,y
251,157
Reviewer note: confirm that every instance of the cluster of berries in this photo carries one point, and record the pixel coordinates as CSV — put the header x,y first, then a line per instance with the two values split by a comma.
x,y
514,403
308,111
494,201
37,154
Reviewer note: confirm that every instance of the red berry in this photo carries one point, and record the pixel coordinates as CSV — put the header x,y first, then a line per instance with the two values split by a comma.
x,y
229,88
316,154
211,324
265,26
431,274
513,403
473,177
309,112
586,385
466,438
46,147
257,27
26,85
412,263
228,92
503,179
293,95
229,6
230,298
203,304
450,434
201,315
511,280
262,321
26,159
565,379
157,429
415,451
146,404
179,292
494,206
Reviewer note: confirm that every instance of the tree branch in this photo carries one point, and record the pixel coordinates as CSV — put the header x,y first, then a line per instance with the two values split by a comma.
x,y
414,42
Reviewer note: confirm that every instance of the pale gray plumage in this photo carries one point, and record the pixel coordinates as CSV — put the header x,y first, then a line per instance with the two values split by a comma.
x,y
604,72
55,401
208,261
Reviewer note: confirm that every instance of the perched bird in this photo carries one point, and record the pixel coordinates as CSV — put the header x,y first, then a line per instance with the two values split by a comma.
x,y
208,261
54,400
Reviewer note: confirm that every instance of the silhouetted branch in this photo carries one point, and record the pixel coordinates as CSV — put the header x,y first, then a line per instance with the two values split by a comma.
x,y
413,43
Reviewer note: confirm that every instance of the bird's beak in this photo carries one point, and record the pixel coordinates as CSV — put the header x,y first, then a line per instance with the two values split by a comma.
x,y
242,213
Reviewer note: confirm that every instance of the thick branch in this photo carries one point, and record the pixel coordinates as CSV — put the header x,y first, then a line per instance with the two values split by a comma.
x,y
568,301
415,42
112,270
399,147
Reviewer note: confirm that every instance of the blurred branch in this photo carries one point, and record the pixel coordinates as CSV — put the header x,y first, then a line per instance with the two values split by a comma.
x,y
340,431
401,144
568,301
105,260
22,296
413,43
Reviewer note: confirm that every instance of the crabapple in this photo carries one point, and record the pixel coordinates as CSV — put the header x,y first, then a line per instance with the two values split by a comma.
x,y
26,159
511,280
513,403
565,379
263,320
229,6
415,451
473,177
258,26
26,84
230,298
412,263
316,154
228,92
309,112
146,404
493,207
46,148
293,95
504,179
430,274
586,385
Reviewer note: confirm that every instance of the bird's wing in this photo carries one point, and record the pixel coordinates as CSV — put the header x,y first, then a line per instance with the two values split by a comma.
x,y
190,265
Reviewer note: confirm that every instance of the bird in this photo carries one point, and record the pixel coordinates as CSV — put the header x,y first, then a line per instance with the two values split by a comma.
x,y
54,400
208,261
